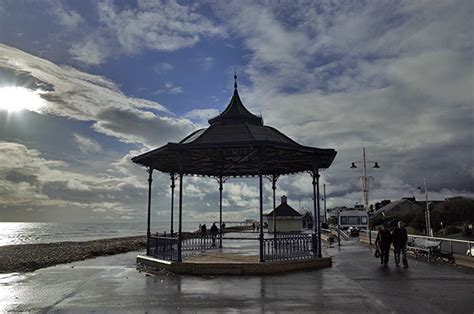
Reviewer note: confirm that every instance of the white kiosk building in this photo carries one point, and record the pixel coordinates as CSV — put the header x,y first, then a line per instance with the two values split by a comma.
x,y
287,218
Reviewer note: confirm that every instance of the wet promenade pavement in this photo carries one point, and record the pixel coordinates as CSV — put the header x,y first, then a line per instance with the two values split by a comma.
x,y
356,283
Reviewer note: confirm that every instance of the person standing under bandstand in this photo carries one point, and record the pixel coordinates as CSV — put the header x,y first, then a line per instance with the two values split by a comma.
x,y
214,232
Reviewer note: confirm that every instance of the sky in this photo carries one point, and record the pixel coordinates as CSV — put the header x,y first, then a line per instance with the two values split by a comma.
x,y
86,85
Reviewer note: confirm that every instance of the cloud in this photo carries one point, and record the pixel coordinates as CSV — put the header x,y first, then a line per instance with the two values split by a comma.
x,y
162,67
395,77
148,128
205,63
200,116
28,179
87,145
82,96
89,52
152,25
170,88
67,18
173,89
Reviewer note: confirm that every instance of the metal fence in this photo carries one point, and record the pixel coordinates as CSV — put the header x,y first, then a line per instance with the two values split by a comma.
x,y
199,242
165,246
289,247
447,245
283,246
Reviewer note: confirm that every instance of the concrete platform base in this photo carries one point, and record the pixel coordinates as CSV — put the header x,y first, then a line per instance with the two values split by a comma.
x,y
233,264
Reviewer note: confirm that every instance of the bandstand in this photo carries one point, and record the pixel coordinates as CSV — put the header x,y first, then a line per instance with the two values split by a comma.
x,y
236,144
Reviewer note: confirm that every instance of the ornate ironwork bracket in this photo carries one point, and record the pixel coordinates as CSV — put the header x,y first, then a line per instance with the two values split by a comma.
x,y
173,178
224,179
273,179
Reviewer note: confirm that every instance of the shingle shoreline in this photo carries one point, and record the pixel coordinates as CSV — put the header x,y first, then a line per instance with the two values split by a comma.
x,y
29,257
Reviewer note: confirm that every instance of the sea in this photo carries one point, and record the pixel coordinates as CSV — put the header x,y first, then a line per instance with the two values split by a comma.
x,y
45,232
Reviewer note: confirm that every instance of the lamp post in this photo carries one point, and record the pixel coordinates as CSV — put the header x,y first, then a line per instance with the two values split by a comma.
x,y
427,212
338,228
325,209
365,179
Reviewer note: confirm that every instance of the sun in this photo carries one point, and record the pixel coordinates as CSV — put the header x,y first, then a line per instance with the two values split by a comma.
x,y
16,98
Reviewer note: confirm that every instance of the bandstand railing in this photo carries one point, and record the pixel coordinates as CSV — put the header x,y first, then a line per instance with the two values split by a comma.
x,y
197,242
165,246
289,247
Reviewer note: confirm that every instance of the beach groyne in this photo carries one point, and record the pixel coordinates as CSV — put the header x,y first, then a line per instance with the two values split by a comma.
x,y
29,257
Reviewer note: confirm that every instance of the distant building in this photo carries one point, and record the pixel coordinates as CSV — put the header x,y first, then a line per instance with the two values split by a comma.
x,y
400,207
381,204
350,218
287,218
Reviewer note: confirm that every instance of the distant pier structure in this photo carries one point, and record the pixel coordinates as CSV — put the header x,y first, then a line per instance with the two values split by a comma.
x,y
236,144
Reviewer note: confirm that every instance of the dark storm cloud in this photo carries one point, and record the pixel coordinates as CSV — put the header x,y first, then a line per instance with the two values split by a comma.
x,y
131,125
17,176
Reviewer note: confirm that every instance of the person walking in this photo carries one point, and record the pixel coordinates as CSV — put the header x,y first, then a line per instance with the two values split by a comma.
x,y
400,238
383,241
203,229
214,232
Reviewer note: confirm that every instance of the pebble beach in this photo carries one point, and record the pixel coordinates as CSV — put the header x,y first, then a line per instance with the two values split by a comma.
x,y
29,257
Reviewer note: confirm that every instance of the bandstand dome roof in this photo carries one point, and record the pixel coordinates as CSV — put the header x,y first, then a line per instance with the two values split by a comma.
x,y
236,143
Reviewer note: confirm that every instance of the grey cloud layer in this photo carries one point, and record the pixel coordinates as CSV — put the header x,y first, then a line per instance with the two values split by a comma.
x,y
35,188
394,76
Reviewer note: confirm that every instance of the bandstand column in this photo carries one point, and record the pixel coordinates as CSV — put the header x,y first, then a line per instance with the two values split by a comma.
x,y
172,186
262,259
319,213
274,179
180,217
150,180
220,211
317,218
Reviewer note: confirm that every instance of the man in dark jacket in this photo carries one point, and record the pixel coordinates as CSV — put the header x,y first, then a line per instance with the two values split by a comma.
x,y
383,241
400,239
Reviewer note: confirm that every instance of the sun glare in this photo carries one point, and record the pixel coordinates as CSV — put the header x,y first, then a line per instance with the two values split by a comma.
x,y
16,98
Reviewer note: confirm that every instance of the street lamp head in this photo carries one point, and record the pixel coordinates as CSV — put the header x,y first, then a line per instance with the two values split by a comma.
x,y
353,166
376,166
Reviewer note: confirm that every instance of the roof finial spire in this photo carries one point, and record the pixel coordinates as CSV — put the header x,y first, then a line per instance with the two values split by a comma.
x,y
235,78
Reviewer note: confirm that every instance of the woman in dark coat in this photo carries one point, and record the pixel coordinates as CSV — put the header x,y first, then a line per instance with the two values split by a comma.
x,y
383,241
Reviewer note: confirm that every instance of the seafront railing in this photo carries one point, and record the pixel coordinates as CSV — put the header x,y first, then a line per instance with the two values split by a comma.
x,y
447,245
289,246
